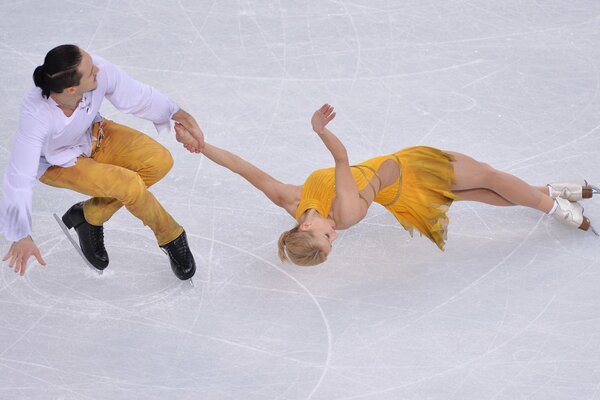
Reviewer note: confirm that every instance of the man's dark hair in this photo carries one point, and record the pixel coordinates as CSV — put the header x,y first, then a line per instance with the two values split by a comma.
x,y
59,70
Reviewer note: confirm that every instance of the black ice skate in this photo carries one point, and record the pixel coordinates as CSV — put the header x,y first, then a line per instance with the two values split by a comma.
x,y
574,191
182,260
91,237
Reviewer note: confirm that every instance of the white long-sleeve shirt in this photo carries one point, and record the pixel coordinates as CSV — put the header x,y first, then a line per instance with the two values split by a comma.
x,y
46,137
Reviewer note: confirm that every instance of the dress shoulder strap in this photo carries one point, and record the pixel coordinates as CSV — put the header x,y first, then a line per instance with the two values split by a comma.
x,y
364,174
399,190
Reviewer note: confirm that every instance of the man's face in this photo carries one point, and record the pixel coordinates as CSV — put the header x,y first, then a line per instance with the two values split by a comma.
x,y
88,72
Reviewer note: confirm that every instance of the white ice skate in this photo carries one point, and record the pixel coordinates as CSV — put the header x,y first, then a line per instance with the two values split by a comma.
x,y
573,191
571,213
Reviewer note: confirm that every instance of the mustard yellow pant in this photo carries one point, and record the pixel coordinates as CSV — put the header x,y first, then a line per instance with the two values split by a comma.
x,y
118,173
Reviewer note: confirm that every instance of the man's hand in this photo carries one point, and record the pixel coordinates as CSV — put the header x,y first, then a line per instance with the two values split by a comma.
x,y
190,124
184,137
19,254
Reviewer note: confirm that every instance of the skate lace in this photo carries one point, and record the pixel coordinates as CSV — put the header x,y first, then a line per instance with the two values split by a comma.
x,y
97,237
177,249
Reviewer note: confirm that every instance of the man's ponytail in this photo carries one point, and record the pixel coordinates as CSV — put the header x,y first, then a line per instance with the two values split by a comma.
x,y
59,70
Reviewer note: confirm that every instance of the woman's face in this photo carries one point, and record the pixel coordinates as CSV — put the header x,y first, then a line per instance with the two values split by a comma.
x,y
322,230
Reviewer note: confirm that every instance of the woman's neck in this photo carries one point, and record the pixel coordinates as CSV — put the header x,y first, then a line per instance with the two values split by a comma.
x,y
308,214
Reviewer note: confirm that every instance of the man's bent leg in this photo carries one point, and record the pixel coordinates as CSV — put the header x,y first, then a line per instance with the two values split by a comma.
x,y
100,180
128,148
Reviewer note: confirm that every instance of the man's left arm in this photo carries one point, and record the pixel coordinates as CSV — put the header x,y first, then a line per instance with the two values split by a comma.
x,y
144,101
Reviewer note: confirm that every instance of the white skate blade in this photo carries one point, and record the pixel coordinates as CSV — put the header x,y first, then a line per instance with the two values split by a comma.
x,y
593,230
75,244
191,282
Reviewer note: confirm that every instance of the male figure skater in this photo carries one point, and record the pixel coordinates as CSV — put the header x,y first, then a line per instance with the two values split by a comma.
x,y
63,141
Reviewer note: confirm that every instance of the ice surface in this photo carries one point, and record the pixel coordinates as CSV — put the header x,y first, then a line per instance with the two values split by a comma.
x,y
511,310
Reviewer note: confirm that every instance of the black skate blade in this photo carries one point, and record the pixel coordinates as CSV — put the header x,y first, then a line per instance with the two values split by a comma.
x,y
75,244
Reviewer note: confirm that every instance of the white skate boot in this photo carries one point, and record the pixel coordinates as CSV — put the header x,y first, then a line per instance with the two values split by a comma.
x,y
573,191
571,213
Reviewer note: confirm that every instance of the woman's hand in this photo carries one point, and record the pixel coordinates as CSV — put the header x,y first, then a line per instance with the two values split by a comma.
x,y
321,118
185,137
191,126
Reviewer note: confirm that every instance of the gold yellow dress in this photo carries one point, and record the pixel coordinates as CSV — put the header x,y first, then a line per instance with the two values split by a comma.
x,y
418,199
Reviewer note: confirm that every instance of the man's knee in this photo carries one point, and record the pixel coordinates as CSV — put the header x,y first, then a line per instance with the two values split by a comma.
x,y
156,166
165,162
160,164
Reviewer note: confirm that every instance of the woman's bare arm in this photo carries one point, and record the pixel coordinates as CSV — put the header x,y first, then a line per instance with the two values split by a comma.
x,y
281,194
350,208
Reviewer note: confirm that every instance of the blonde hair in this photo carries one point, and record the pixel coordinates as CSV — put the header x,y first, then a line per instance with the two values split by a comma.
x,y
297,246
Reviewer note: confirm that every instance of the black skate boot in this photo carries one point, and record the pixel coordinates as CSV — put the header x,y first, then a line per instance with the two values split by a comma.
x,y
91,237
182,260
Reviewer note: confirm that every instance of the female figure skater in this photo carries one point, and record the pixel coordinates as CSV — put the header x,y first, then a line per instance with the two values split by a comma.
x,y
417,185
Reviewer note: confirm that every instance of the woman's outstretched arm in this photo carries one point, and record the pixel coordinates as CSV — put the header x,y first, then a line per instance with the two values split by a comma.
x,y
281,194
350,208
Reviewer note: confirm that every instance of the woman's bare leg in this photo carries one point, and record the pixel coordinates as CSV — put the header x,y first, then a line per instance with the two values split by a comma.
x,y
471,174
489,197
483,196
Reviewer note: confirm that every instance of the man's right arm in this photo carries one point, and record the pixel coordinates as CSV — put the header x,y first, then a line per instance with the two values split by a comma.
x,y
19,178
